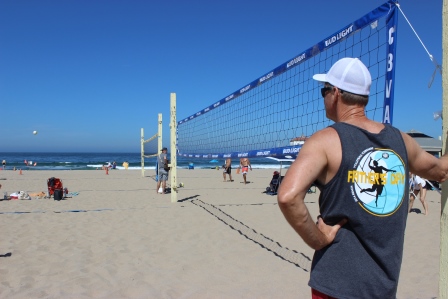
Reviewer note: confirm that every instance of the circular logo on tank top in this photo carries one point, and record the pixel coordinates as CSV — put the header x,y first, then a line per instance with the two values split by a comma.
x,y
378,181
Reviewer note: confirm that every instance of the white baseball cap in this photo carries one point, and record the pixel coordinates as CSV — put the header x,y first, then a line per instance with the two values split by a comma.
x,y
348,74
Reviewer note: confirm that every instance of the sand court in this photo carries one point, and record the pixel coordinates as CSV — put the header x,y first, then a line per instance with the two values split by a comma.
x,y
118,238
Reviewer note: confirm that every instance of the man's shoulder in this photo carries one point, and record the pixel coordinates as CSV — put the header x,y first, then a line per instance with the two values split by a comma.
x,y
323,134
323,141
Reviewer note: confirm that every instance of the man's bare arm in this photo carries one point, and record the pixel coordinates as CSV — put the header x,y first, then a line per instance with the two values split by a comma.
x,y
312,163
424,164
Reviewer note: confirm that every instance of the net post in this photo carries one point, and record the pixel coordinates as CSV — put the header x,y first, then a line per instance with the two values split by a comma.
x,y
173,149
142,151
443,271
159,141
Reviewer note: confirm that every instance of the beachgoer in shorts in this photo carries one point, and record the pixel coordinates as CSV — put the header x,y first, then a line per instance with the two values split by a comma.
x,y
163,174
418,187
245,165
227,169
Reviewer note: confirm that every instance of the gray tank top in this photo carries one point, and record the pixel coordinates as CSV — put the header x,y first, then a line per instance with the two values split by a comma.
x,y
371,190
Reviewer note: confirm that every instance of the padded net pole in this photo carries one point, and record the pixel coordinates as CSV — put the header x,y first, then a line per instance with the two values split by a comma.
x,y
159,141
142,150
443,275
149,147
173,150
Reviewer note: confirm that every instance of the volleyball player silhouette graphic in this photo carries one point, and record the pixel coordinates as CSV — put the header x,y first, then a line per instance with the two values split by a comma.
x,y
378,185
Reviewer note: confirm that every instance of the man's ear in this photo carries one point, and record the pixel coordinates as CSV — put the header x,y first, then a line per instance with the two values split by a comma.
x,y
337,90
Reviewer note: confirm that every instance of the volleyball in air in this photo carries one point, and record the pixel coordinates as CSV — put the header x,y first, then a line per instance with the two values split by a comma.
x,y
34,132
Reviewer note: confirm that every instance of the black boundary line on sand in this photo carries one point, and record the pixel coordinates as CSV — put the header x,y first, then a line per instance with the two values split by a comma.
x,y
294,257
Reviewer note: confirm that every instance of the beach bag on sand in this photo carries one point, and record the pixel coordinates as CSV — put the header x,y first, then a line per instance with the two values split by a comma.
x,y
58,194
24,195
165,166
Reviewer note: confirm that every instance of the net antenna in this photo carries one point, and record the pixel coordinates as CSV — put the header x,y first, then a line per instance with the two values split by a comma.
x,y
438,67
274,115
152,146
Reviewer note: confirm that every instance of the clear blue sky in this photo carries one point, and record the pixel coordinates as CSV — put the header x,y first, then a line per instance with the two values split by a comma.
x,y
88,74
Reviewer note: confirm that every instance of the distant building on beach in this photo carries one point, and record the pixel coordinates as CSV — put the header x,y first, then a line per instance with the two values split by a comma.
x,y
428,143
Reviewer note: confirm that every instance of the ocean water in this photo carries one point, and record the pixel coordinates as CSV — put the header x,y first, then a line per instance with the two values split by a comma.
x,y
92,161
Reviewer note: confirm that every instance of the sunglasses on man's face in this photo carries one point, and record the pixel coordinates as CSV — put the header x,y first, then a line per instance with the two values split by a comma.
x,y
325,90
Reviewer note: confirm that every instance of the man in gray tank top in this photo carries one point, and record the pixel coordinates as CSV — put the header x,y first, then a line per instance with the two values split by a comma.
x,y
162,173
361,168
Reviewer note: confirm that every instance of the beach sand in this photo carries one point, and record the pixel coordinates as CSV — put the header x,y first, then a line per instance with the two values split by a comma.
x,y
118,238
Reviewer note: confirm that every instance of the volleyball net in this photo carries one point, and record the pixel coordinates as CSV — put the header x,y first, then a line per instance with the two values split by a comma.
x,y
152,146
273,115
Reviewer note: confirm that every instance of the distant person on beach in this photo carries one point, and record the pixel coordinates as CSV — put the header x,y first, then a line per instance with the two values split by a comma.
x,y
227,169
245,165
163,174
4,164
114,165
358,245
418,187
125,164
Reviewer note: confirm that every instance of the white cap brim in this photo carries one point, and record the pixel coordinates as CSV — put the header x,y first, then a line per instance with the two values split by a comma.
x,y
320,77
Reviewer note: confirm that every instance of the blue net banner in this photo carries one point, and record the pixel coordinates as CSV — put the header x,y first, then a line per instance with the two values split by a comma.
x,y
388,111
386,10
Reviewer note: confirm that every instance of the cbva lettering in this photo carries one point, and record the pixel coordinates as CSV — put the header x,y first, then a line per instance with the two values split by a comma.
x,y
197,156
206,109
244,89
227,155
216,105
243,155
338,36
191,117
265,153
199,113
215,156
204,156
264,78
390,68
229,98
296,60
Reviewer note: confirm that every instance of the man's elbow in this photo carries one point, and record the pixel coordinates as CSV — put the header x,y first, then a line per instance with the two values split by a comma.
x,y
443,177
281,196
442,174
285,199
